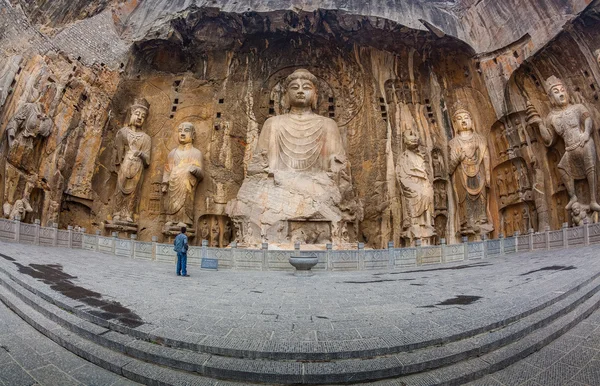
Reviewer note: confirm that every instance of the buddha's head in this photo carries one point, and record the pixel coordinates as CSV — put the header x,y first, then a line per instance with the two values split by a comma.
x,y
301,90
139,112
411,140
462,121
557,91
186,133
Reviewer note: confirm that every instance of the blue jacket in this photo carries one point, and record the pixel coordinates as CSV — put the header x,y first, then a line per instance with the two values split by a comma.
x,y
181,243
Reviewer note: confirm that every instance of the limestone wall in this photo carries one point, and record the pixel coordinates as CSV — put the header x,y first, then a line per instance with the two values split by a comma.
x,y
380,71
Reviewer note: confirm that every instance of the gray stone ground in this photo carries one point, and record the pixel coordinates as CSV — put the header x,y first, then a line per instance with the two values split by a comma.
x,y
330,306
571,360
29,358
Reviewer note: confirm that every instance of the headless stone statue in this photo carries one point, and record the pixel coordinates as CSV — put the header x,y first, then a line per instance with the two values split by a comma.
x,y
298,171
469,165
573,123
132,156
183,171
417,191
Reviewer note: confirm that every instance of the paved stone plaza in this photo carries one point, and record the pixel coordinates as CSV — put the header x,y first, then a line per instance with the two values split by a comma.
x,y
275,308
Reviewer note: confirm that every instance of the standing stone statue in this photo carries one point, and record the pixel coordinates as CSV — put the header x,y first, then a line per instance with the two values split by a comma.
x,y
183,171
417,190
298,172
57,183
132,155
25,132
469,165
573,123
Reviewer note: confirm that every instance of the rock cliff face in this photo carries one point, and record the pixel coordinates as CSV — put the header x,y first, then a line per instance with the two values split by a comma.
x,y
382,71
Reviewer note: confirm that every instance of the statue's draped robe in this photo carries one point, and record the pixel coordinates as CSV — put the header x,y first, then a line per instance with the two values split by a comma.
x,y
179,204
131,168
298,171
417,190
469,179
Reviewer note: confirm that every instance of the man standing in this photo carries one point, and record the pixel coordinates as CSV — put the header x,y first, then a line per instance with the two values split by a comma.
x,y
181,247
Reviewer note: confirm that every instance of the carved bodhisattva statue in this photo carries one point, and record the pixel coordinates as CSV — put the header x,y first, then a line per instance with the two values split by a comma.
x,y
469,164
183,171
298,173
417,191
132,155
573,123
25,132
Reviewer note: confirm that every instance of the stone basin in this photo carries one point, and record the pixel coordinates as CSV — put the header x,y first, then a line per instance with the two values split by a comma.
x,y
303,264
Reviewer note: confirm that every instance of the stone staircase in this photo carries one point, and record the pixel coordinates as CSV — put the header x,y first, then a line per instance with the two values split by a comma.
x,y
166,358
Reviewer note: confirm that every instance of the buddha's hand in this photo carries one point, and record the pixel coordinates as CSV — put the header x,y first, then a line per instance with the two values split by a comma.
x,y
137,154
165,187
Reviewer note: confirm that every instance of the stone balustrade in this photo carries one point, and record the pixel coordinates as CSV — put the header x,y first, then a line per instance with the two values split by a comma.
x,y
265,259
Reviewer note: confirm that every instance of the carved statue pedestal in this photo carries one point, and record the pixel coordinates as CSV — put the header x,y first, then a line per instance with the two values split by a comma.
x,y
126,227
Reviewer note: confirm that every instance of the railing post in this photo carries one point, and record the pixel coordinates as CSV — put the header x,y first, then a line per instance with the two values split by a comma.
x,y
55,236
97,246
70,231
501,241
443,247
329,246
115,235
391,261
36,234
233,247
586,231
133,238
531,239
154,242
547,231
465,241
565,227
419,252
361,256
516,236
484,238
17,223
204,251
265,262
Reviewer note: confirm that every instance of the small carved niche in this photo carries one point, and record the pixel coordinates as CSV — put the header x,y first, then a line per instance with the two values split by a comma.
x,y
216,229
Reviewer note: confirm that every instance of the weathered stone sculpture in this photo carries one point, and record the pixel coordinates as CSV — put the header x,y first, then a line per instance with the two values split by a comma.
x,y
132,156
579,213
573,123
183,171
469,165
298,175
416,190
57,183
24,134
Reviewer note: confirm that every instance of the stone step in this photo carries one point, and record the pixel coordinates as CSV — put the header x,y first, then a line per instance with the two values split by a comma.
x,y
554,320
306,351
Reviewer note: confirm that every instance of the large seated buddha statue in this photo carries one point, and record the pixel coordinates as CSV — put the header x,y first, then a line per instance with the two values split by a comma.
x,y
298,186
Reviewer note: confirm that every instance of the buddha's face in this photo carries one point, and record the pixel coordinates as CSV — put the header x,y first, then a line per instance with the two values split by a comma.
x,y
576,209
464,122
300,92
560,95
411,140
138,117
185,133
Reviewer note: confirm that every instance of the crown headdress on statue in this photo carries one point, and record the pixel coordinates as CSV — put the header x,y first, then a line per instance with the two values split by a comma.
x,y
140,103
459,108
553,81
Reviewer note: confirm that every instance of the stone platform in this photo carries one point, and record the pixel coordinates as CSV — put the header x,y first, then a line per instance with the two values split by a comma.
x,y
430,325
